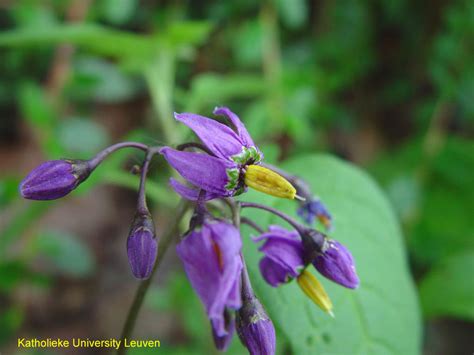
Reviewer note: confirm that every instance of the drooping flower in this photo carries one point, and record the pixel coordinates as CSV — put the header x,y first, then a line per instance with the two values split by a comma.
x,y
142,246
312,209
233,165
211,257
283,258
255,328
54,179
337,264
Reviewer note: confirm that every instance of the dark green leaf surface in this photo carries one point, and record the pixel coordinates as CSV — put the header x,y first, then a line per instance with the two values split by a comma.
x,y
448,290
382,316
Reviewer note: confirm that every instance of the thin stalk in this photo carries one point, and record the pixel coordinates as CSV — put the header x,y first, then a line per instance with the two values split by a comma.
x,y
249,222
301,229
94,162
200,146
142,205
145,284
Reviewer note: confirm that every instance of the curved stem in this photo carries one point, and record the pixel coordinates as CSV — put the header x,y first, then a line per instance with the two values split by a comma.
x,y
301,229
249,222
142,205
99,158
145,284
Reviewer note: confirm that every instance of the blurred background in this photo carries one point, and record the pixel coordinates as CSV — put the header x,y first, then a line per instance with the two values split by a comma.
x,y
387,85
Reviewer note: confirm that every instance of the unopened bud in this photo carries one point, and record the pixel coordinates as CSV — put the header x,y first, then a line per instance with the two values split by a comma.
x,y
337,264
54,179
142,246
255,328
269,182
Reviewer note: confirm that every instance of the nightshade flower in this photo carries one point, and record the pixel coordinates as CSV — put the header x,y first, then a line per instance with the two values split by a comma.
x,y
283,258
142,246
312,209
337,264
232,166
210,253
54,179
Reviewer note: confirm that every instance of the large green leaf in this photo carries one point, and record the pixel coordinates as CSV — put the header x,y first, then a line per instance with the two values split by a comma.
x,y
380,317
448,289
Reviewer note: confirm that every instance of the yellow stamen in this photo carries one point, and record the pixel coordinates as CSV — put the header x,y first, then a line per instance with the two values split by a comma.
x,y
269,182
315,291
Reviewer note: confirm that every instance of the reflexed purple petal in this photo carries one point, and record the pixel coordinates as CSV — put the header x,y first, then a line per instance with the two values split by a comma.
x,y
204,171
142,249
239,126
213,265
219,138
190,193
337,264
283,252
51,180
273,273
226,329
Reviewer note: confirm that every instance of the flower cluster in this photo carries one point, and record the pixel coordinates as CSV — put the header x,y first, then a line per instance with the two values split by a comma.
x,y
222,166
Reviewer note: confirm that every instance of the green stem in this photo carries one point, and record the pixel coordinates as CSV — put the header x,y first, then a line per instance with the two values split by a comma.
x,y
145,284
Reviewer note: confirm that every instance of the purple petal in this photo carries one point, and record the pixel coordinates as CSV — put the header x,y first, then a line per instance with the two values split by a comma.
x,y
190,193
219,138
286,253
226,328
204,171
337,264
213,265
273,273
239,126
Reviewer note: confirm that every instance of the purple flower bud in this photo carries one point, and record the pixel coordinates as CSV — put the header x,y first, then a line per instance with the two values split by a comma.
x,y
142,246
54,179
313,208
255,328
337,264
222,342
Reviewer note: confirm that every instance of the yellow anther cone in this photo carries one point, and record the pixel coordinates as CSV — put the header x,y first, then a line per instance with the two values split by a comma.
x,y
315,291
269,182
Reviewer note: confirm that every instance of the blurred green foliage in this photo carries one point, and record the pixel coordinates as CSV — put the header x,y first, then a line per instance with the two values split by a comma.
x,y
388,85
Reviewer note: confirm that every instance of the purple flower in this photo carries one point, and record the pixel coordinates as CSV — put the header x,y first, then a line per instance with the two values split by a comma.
x,y
211,257
220,174
314,208
142,246
54,179
222,342
337,264
256,329
283,258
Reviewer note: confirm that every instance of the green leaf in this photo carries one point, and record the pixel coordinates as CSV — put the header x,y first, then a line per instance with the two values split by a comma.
x,y
68,254
448,289
98,39
81,138
382,315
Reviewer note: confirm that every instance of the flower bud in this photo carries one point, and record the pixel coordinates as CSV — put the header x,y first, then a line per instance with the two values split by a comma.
x,y
255,328
269,182
315,291
142,246
222,342
337,264
54,179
